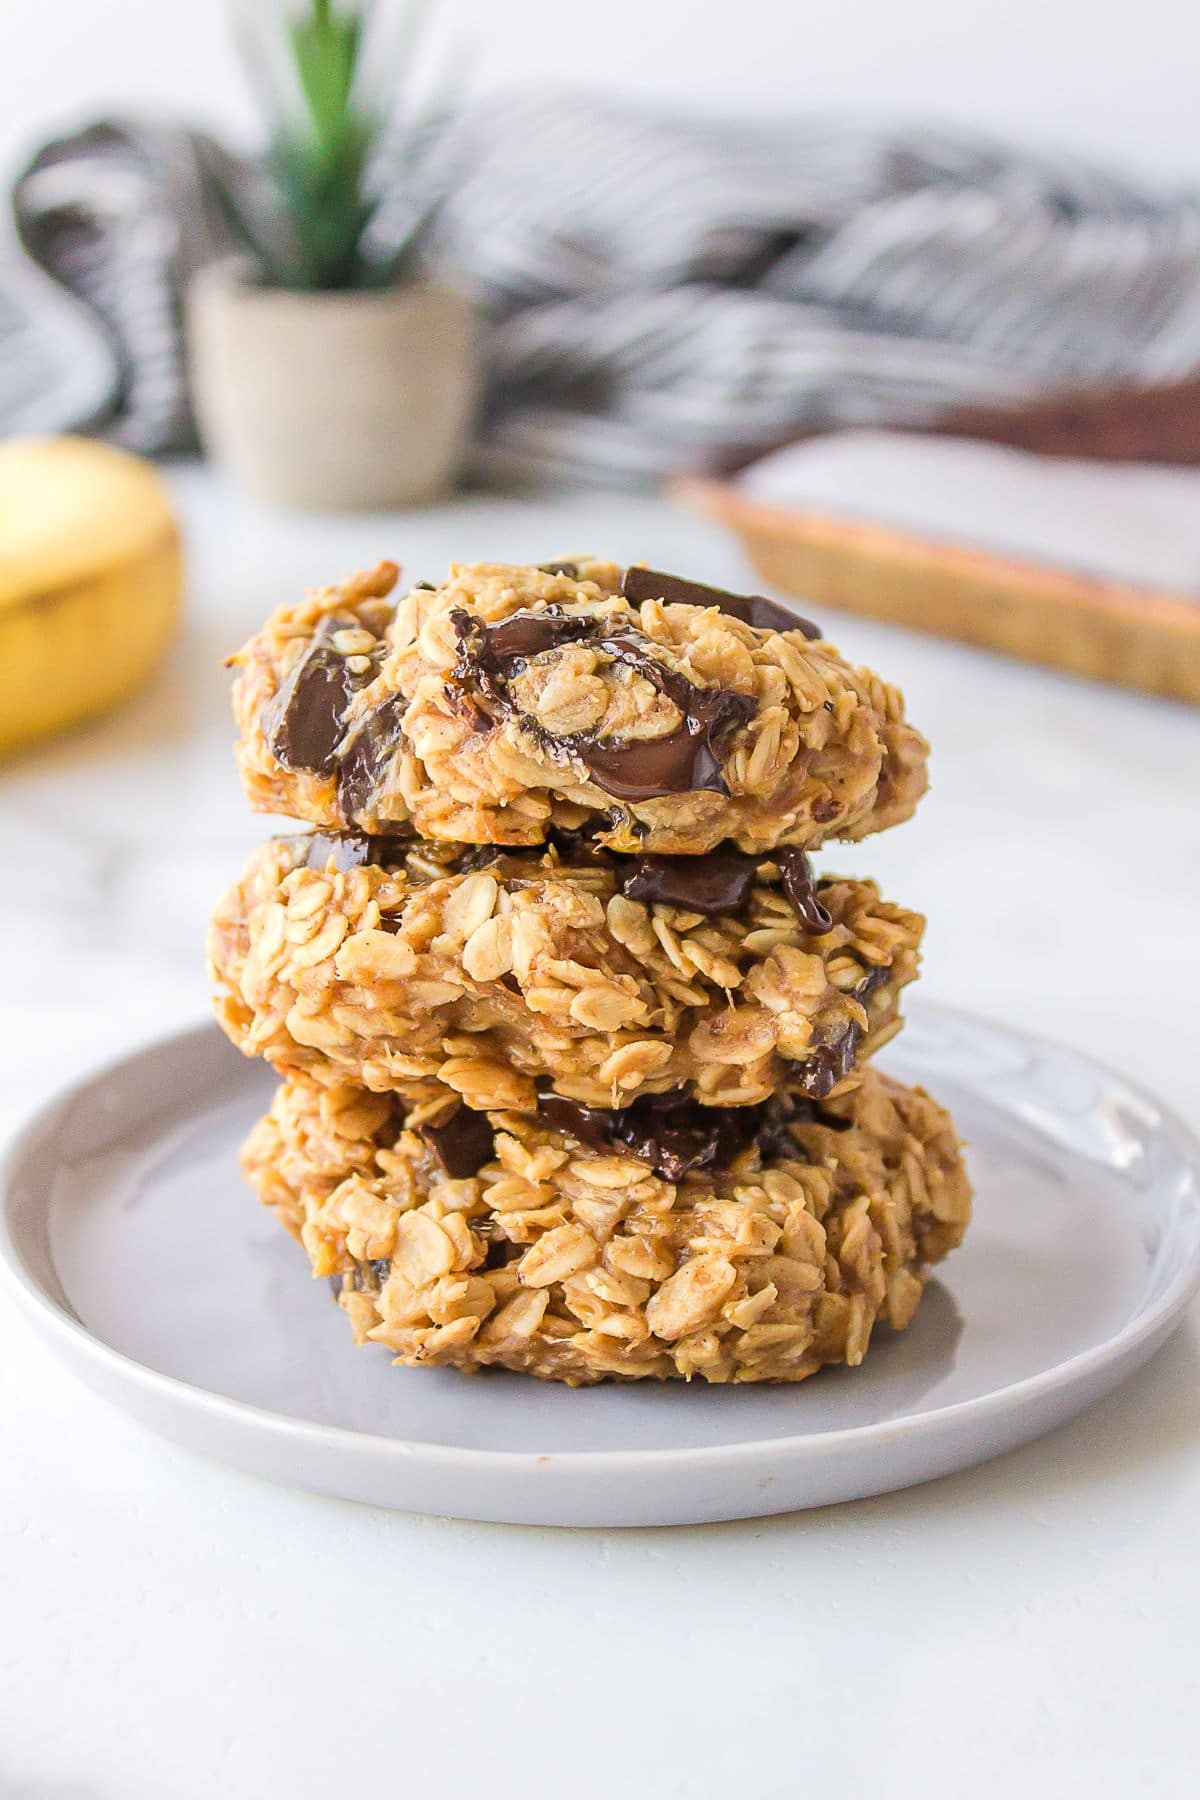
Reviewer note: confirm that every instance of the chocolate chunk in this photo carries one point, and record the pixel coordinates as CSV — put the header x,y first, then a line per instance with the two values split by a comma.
x,y
569,569
369,1277
574,846
828,1064
479,856
367,756
303,723
714,884
769,615
874,978
591,1126
684,761
795,871
652,768
721,882
751,609
775,1139
675,1134
672,1132
461,1139
349,849
821,1071
500,1252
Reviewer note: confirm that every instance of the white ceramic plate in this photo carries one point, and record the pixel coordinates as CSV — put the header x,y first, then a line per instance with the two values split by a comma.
x,y
143,1260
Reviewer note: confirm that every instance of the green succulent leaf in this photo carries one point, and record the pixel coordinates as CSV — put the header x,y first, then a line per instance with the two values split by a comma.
x,y
315,64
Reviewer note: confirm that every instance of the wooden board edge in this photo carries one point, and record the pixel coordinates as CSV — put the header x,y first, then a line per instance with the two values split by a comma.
x,y
1137,637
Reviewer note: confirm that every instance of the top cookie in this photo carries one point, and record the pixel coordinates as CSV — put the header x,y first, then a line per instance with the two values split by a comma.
x,y
650,712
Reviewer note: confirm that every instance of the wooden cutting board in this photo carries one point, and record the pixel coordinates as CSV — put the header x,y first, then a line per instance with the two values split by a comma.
x,y
1106,629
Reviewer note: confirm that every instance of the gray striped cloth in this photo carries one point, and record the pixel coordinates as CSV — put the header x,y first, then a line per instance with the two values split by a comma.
x,y
660,293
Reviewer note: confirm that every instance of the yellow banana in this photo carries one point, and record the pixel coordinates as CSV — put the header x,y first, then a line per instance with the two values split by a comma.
x,y
90,581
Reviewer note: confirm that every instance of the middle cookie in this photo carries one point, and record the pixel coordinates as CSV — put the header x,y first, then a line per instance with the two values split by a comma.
x,y
396,964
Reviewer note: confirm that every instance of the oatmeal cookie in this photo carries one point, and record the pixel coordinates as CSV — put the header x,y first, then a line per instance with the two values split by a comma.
x,y
750,1245
392,964
662,715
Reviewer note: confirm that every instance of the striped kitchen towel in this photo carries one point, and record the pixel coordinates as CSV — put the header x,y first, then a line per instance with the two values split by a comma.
x,y
660,294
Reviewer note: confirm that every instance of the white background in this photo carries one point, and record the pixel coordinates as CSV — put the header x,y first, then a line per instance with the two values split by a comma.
x,y
1117,78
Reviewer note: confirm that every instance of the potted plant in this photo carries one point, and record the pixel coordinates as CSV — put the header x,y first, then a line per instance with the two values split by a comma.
x,y
329,369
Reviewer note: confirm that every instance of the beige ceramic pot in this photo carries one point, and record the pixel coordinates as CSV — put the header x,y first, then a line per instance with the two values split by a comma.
x,y
359,399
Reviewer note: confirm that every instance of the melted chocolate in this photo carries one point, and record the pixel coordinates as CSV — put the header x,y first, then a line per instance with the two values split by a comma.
x,y
795,872
462,1141
751,609
304,721
675,1134
685,761
349,849
819,1073
721,882
500,1251
480,856
828,1064
305,724
368,1277
366,757
574,846
775,1139
714,884
672,1132
490,655
874,978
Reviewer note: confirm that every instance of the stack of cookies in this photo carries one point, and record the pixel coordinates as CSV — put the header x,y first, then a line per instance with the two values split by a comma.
x,y
574,1045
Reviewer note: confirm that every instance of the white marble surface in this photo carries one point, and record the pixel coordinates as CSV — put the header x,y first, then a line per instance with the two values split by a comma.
x,y
170,1628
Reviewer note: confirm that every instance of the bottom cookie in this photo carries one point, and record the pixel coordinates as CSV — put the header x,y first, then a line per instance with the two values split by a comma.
x,y
787,1231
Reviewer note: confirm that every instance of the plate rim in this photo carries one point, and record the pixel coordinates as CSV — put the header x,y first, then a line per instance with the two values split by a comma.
x,y
74,1336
